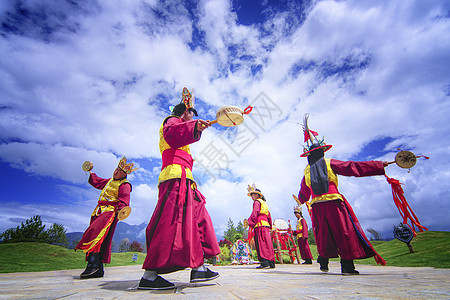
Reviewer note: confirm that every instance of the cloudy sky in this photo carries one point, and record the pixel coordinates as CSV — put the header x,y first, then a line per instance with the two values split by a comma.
x,y
93,81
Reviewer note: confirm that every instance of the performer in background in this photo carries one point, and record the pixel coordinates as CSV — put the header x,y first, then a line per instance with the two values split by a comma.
x,y
336,228
261,222
301,232
180,233
96,240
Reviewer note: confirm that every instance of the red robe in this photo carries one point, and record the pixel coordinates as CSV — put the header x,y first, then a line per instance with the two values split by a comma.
x,y
98,223
262,237
180,233
302,240
336,228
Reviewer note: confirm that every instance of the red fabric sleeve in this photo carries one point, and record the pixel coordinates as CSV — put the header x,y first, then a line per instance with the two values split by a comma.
x,y
179,133
124,195
97,182
305,192
357,168
253,219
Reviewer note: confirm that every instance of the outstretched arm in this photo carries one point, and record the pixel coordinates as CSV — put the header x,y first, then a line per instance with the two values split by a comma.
x,y
357,168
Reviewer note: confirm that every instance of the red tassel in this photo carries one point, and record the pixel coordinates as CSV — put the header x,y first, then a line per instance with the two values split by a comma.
x,y
403,207
248,110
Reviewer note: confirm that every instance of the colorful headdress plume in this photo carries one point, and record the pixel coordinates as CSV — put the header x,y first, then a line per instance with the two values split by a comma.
x,y
127,168
298,209
188,99
311,140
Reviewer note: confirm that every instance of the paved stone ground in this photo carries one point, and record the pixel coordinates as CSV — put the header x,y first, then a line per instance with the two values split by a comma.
x,y
237,282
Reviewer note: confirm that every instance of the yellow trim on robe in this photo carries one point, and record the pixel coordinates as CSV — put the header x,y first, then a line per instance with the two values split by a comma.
x,y
332,177
110,193
101,234
299,228
265,211
174,170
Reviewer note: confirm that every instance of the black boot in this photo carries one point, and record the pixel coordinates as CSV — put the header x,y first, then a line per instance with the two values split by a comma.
x,y
307,262
323,264
264,264
271,264
348,268
94,268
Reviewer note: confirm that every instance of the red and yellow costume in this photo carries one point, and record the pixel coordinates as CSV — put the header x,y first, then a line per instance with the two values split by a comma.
x,y
261,222
180,233
337,230
98,236
302,239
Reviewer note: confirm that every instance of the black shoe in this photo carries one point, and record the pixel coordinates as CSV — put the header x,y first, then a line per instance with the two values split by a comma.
x,y
158,284
307,262
348,268
263,266
272,264
351,272
92,273
197,276
94,268
323,264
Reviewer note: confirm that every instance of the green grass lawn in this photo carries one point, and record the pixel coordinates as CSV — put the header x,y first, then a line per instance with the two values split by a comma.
x,y
431,250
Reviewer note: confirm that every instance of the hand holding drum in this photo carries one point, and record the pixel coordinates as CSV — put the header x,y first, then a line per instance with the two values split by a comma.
x,y
230,116
406,159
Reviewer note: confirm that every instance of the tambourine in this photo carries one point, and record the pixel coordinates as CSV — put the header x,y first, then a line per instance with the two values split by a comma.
x,y
406,159
123,213
230,116
87,166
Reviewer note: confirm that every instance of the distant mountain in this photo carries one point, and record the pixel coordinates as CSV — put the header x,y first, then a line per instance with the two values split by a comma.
x,y
123,231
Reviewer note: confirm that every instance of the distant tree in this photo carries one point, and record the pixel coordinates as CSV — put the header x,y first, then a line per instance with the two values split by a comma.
x,y
124,245
240,228
376,236
232,233
56,235
34,231
136,247
31,231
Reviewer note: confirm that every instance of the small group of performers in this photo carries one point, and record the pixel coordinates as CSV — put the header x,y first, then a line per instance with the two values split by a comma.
x,y
261,223
336,228
180,233
301,232
97,239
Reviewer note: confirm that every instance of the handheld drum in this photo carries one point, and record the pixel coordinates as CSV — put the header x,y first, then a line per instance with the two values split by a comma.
x,y
230,116
87,166
123,213
406,159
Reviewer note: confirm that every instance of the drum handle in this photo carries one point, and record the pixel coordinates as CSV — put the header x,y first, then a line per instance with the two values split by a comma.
x,y
213,122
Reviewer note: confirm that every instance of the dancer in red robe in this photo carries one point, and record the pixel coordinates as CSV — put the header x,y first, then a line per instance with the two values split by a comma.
x,y
336,228
180,233
301,232
261,222
96,240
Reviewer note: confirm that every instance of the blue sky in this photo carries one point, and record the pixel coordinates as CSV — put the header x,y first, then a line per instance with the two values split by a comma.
x,y
93,81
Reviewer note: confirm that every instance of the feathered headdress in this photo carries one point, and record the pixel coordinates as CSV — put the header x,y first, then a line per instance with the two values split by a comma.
x,y
311,140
